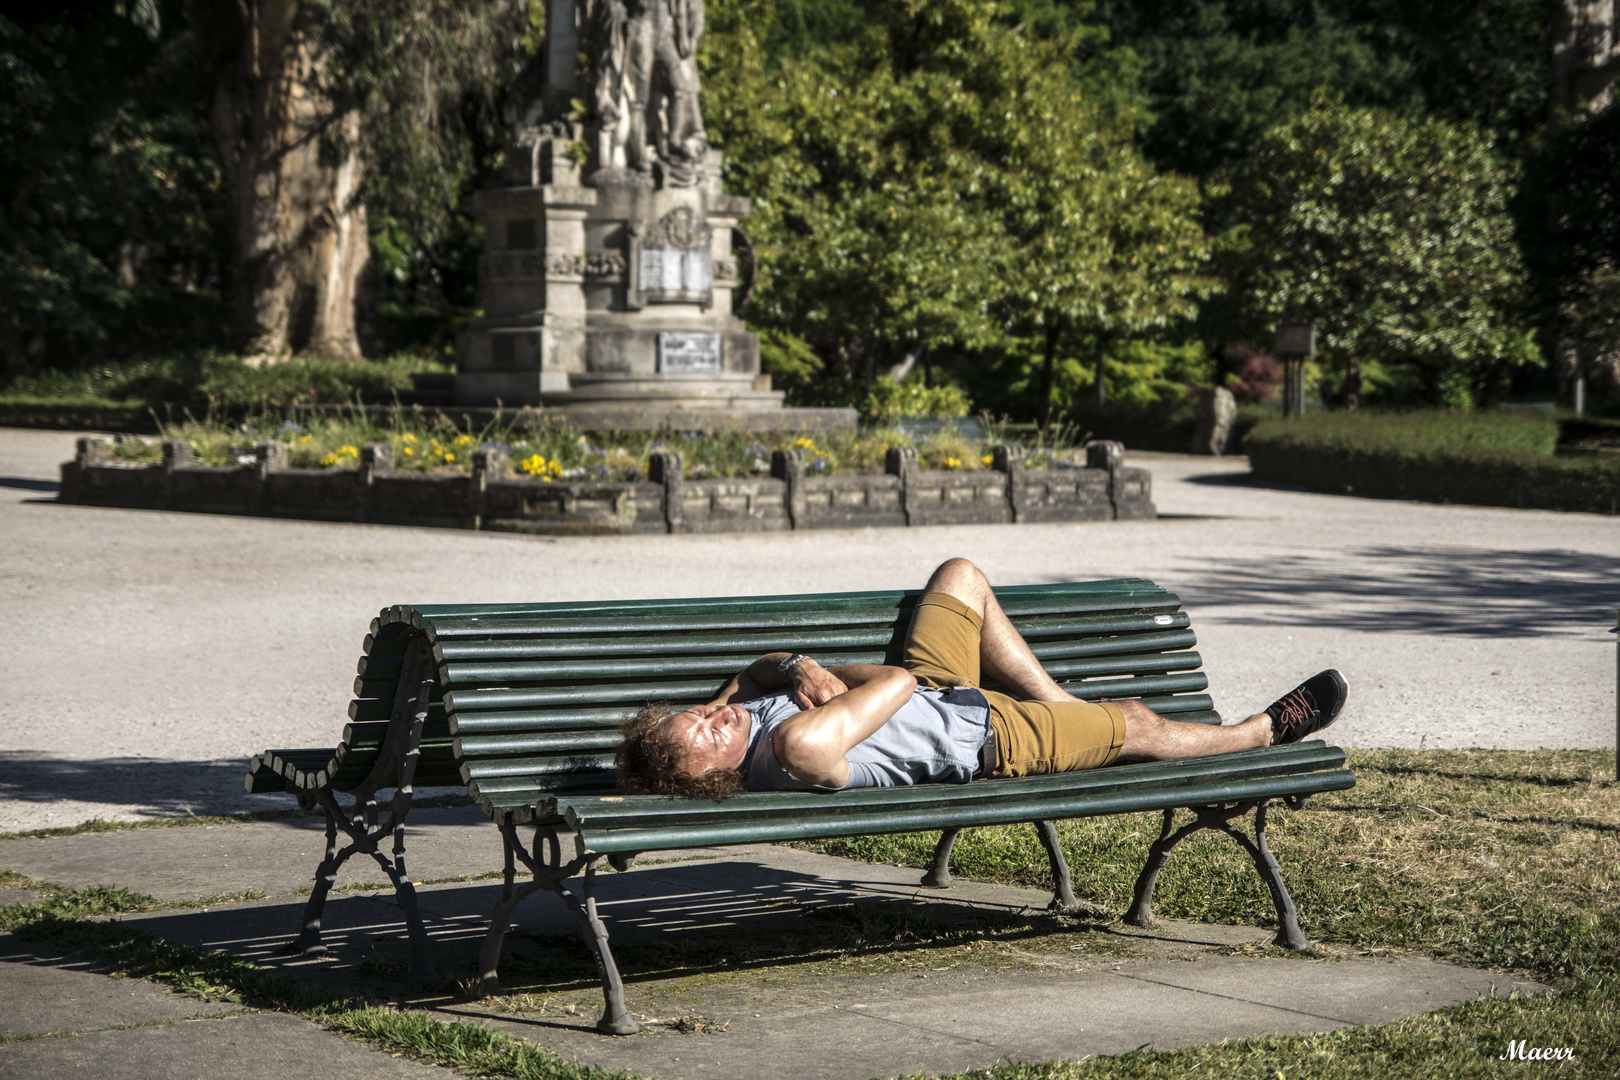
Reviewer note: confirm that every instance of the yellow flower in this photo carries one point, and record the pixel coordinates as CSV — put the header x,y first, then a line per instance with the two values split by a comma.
x,y
305,438
449,457
409,452
407,437
804,444
534,465
463,440
952,463
988,459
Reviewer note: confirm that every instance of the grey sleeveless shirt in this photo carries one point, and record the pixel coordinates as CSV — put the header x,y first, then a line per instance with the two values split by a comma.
x,y
934,738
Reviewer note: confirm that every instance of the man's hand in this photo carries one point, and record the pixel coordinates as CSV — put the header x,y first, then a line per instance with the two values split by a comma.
x,y
814,685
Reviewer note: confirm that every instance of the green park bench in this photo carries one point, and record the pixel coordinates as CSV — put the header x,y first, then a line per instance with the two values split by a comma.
x,y
520,703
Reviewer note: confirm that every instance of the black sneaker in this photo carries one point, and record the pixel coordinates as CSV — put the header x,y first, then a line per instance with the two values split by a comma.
x,y
1308,707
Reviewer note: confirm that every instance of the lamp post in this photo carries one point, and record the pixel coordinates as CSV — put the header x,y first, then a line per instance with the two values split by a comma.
x,y
1296,343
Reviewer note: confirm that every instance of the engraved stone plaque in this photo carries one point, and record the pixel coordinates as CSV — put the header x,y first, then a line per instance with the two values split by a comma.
x,y
674,270
689,353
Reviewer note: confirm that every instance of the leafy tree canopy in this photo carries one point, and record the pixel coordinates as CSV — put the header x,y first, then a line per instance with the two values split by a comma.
x,y
1393,235
941,182
1221,72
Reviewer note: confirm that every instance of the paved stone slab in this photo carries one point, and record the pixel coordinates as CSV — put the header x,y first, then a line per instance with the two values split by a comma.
x,y
275,857
1361,991
969,1019
1167,987
216,637
259,1046
16,897
42,993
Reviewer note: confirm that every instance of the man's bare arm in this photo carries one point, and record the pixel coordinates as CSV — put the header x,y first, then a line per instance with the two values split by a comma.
x,y
812,684
812,745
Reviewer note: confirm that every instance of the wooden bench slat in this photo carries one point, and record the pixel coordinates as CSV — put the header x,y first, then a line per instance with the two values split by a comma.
x,y
1121,658
637,810
1050,807
1108,586
451,626
773,640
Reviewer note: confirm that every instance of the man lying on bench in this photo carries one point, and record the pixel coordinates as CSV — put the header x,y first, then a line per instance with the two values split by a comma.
x,y
787,723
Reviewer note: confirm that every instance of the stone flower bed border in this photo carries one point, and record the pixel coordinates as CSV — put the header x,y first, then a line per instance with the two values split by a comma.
x,y
667,501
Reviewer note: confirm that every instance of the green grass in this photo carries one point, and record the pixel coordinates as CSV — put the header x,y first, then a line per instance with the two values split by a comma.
x,y
1505,860
1474,434
213,976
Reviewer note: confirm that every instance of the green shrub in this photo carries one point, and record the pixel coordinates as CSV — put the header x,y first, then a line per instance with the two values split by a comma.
x,y
890,401
1484,459
196,383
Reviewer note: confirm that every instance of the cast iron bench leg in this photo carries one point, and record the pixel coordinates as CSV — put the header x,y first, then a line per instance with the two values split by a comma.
x,y
512,894
616,1020
939,875
1215,817
1062,888
550,873
309,942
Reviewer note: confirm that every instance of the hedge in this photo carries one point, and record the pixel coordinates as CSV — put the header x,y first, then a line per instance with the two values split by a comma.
x,y
1450,461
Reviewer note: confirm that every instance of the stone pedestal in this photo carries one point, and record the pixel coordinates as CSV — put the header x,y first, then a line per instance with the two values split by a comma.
x,y
611,268
614,293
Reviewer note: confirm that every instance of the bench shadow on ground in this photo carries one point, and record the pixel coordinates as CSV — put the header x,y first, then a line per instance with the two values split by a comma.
x,y
667,921
1456,590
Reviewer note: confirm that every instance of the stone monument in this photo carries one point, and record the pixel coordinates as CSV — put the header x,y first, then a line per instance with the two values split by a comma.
x,y
613,262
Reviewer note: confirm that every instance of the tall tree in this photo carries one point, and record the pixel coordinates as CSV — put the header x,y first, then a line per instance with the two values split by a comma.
x,y
307,93
1394,236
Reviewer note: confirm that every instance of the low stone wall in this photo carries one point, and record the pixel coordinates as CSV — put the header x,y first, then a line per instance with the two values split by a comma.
x,y
666,502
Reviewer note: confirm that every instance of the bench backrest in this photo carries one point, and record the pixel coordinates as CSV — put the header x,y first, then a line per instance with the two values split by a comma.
x,y
529,697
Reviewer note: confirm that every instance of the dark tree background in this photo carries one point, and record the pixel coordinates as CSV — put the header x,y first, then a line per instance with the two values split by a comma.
x,y
161,194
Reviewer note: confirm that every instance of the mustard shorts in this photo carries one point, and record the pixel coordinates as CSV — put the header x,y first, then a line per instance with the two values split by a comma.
x,y
1032,737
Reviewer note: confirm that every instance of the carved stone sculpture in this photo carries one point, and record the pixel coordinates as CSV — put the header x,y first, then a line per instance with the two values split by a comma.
x,y
645,91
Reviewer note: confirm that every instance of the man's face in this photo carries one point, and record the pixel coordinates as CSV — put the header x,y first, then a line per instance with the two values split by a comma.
x,y
716,736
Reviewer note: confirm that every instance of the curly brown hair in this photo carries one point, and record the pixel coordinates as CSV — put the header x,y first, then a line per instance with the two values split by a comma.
x,y
651,762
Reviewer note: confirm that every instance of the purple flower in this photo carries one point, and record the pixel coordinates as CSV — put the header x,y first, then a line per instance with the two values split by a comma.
x,y
290,426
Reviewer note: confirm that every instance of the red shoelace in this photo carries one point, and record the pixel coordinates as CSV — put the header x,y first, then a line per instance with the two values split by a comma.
x,y
1296,710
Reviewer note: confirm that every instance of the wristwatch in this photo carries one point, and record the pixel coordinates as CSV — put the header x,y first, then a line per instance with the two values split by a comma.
x,y
787,665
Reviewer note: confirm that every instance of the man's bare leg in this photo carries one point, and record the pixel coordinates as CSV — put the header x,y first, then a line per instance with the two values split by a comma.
x,y
1006,656
1003,652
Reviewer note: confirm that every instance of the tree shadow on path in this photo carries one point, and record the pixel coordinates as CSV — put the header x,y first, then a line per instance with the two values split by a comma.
x,y
1462,591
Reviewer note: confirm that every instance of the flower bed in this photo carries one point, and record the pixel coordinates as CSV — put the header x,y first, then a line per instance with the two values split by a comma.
x,y
800,487
567,455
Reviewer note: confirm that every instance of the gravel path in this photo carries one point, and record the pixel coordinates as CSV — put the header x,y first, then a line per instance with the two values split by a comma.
x,y
158,650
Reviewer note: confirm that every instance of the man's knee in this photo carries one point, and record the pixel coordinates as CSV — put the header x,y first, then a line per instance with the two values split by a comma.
x,y
955,575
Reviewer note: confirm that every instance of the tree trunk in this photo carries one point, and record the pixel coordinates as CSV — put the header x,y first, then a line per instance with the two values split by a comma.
x,y
1584,59
292,167
1352,384
1102,358
1043,411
